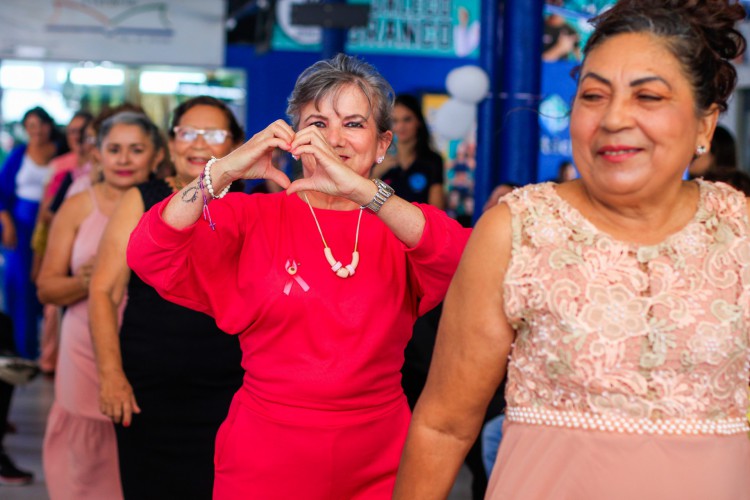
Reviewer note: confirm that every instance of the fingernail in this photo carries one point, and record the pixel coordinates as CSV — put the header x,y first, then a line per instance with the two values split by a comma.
x,y
295,157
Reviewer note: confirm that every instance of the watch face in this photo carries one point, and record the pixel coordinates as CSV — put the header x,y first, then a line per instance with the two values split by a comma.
x,y
384,188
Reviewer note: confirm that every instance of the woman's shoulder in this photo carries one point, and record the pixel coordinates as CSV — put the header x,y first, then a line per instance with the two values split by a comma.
x,y
529,195
15,157
431,157
721,199
76,208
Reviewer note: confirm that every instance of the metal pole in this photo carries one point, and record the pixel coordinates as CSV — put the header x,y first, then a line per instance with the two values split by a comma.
x,y
518,122
486,175
334,39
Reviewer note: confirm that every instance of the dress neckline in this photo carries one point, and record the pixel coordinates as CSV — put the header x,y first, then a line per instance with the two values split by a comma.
x,y
576,217
301,203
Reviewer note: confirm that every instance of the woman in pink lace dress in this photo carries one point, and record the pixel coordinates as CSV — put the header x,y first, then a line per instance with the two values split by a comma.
x,y
619,302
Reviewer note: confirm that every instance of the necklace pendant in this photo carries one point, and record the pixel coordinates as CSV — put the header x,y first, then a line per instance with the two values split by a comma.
x,y
342,271
337,267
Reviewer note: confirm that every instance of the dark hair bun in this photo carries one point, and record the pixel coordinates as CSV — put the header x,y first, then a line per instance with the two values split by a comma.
x,y
702,35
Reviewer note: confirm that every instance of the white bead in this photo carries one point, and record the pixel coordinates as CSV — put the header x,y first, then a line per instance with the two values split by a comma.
x,y
207,180
612,423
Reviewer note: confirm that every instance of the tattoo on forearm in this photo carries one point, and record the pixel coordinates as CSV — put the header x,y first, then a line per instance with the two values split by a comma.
x,y
190,195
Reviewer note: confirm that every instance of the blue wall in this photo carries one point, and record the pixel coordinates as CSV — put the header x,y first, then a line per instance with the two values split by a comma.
x,y
271,76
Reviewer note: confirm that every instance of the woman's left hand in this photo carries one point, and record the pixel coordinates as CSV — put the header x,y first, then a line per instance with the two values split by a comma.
x,y
329,174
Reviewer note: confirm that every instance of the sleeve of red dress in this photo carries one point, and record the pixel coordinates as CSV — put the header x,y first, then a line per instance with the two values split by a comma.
x,y
194,267
433,261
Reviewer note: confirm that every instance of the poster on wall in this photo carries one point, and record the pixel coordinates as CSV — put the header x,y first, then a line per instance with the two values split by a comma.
x,y
445,28
459,157
121,31
566,29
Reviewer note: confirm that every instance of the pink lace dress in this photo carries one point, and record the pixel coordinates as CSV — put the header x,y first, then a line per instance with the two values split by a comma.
x,y
629,373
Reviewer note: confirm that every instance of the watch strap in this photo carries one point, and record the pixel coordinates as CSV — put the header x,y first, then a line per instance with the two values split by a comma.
x,y
384,192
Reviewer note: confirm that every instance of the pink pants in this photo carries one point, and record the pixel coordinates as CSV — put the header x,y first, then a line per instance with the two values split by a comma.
x,y
270,451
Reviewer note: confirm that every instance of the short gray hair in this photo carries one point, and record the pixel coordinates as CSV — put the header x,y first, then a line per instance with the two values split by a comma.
x,y
131,118
330,76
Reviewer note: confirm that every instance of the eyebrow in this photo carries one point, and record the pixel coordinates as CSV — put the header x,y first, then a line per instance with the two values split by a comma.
x,y
348,117
634,83
315,117
356,115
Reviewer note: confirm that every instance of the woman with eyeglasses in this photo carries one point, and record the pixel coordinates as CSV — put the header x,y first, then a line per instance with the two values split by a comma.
x,y
169,377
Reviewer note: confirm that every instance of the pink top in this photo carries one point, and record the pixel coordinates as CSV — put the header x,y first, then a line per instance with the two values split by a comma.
x,y
611,328
629,374
76,380
340,344
60,166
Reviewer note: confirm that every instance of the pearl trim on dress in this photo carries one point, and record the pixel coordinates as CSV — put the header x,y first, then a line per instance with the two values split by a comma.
x,y
623,425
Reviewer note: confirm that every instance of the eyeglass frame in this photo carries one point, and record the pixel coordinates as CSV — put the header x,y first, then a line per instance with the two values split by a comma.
x,y
201,131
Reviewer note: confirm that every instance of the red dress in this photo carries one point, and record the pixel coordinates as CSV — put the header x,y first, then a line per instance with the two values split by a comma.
x,y
321,413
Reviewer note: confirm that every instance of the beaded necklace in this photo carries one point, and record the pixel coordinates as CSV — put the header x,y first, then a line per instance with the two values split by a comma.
x,y
342,271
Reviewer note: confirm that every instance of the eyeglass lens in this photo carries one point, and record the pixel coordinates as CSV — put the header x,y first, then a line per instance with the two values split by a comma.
x,y
211,136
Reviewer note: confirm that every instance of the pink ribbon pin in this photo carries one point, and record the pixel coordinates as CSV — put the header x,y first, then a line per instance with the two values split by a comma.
x,y
292,268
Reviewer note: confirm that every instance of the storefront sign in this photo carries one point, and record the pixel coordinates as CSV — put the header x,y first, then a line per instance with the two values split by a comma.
x,y
448,28
182,32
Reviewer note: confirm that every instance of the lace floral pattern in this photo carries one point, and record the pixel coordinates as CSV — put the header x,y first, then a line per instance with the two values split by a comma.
x,y
620,330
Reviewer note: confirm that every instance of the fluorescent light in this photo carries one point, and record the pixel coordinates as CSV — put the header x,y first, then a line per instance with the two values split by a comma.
x,y
16,102
62,75
97,76
24,77
167,82
232,93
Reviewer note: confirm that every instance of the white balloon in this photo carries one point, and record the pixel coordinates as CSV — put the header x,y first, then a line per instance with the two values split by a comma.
x,y
454,119
469,84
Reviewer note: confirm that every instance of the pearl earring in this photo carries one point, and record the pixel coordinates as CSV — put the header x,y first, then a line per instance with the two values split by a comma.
x,y
380,160
701,150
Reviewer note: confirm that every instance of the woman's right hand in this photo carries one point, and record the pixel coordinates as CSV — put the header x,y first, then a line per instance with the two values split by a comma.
x,y
10,238
253,160
85,271
116,398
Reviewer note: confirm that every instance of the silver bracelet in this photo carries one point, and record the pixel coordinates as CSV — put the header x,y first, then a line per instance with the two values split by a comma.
x,y
207,180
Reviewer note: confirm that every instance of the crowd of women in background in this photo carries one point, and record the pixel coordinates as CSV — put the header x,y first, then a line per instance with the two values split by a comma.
x,y
581,282
54,230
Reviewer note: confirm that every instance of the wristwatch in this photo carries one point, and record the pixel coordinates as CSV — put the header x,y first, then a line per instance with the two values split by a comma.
x,y
384,192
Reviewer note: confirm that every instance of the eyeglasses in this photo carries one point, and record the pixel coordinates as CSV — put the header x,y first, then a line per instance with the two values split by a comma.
x,y
211,136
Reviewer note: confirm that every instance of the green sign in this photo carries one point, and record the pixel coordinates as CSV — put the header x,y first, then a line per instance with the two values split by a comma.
x,y
446,28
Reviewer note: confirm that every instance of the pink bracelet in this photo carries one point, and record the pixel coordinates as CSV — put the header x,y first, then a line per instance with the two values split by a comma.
x,y
206,212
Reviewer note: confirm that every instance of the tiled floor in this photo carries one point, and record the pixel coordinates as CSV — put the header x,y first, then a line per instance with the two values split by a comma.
x,y
29,413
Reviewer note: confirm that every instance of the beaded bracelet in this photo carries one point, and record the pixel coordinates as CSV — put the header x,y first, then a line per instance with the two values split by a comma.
x,y
207,179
